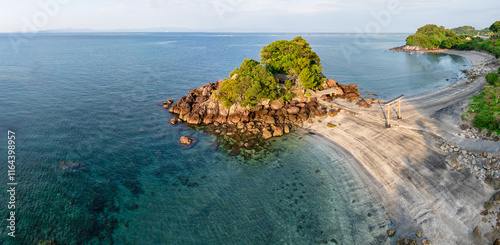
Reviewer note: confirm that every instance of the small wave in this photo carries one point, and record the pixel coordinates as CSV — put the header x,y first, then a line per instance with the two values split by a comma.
x,y
164,43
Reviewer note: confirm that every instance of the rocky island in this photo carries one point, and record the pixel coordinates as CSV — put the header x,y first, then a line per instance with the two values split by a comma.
x,y
265,99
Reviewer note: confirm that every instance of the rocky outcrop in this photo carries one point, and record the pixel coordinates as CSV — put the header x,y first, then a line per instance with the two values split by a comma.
x,y
338,90
416,50
267,119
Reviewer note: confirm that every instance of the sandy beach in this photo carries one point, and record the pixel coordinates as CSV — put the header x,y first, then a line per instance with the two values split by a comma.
x,y
405,167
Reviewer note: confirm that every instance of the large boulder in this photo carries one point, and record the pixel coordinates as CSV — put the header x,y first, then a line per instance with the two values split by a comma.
x,y
364,104
278,132
351,88
186,140
270,120
276,105
293,110
331,83
267,135
351,96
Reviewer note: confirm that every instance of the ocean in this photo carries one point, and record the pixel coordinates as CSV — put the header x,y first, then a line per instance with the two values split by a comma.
x,y
91,100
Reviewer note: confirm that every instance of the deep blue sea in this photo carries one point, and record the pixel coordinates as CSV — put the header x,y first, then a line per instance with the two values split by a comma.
x,y
93,98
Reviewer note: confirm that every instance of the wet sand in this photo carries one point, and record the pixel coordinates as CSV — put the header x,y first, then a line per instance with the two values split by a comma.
x,y
405,167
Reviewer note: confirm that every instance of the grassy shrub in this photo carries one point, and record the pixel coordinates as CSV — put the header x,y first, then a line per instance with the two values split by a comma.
x,y
491,78
486,109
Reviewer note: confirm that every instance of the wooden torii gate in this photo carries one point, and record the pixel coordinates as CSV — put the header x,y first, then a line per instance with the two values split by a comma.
x,y
397,101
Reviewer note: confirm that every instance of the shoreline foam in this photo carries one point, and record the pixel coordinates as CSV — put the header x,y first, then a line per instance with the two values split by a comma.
x,y
405,167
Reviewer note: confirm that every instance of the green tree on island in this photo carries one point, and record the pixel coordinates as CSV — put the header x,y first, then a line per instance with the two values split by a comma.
x,y
294,58
254,81
495,27
248,85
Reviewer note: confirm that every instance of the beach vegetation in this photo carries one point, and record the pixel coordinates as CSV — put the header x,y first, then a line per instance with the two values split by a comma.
x,y
485,109
492,78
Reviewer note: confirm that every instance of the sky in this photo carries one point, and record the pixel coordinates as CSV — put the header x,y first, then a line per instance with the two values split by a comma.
x,y
351,16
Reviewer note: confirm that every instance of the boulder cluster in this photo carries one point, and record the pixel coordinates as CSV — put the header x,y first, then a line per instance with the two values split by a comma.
x,y
475,133
267,119
483,165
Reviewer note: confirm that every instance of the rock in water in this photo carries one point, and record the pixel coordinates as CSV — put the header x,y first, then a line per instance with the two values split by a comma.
x,y
174,121
278,132
69,165
425,242
407,241
186,140
267,135
391,233
497,242
418,234
286,129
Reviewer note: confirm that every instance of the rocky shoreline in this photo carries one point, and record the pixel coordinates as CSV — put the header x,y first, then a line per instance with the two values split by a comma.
x,y
266,120
416,50
485,166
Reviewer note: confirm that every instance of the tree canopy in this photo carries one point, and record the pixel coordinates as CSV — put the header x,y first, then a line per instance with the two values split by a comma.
x,y
248,84
495,27
430,36
294,58
254,81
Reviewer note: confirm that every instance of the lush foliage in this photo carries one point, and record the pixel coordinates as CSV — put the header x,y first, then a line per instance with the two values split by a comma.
x,y
248,84
491,78
254,81
294,58
431,37
495,27
491,46
470,31
486,109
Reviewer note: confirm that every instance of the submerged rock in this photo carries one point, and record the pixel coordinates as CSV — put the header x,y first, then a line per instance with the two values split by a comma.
x,y
391,233
407,241
69,165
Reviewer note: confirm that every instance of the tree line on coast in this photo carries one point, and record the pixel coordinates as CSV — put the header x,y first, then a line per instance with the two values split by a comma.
x,y
461,38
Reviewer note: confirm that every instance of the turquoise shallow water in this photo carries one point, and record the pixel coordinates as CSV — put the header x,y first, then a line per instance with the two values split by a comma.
x,y
93,98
